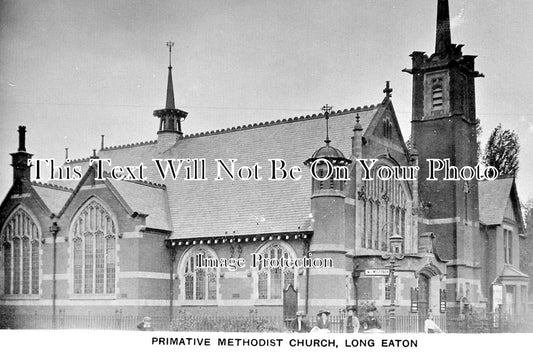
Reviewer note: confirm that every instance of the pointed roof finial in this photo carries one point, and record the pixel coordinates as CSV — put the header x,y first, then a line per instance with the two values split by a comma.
x,y
170,88
357,126
443,40
327,109
66,154
387,90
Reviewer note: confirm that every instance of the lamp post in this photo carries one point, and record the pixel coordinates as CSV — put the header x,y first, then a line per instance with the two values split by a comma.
x,y
54,229
355,277
396,246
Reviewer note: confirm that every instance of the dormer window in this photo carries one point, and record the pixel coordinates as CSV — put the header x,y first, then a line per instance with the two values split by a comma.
x,y
437,99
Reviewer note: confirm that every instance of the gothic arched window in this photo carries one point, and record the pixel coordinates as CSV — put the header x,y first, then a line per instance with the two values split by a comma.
x,y
272,281
20,237
384,210
199,283
93,242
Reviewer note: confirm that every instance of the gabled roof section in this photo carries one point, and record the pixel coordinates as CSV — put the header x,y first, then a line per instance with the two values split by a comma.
x,y
144,199
385,106
53,196
25,186
493,198
509,271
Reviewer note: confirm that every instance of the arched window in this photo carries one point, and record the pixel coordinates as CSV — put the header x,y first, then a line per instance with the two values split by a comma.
x,y
20,237
198,283
384,207
272,281
93,243
387,127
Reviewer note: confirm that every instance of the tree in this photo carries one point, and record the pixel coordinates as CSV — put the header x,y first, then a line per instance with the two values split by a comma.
x,y
479,131
502,151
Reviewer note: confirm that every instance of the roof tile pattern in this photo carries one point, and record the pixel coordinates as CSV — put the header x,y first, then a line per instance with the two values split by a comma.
x,y
53,198
493,198
226,207
145,199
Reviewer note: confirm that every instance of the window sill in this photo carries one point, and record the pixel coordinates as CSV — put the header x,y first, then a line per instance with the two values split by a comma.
x,y
20,297
92,296
198,302
270,302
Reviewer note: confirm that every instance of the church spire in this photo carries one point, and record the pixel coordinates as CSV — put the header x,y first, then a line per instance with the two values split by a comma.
x,y
443,40
170,86
170,117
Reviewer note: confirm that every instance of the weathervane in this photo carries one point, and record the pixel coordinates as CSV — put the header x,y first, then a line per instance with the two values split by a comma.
x,y
169,45
327,109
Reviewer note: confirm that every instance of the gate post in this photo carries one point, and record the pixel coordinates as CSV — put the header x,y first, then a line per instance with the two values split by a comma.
x,y
290,304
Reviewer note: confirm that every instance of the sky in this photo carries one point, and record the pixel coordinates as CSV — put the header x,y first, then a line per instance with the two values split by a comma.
x,y
71,71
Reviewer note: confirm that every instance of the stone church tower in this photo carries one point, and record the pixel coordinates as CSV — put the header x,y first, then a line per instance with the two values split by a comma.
x,y
444,127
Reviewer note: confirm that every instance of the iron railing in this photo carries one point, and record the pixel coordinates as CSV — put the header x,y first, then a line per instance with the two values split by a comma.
x,y
185,321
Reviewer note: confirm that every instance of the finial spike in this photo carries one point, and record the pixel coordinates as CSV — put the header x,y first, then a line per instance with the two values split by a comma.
x,y
327,109
102,144
66,154
170,44
170,87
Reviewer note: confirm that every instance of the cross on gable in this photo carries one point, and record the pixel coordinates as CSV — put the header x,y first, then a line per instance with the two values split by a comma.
x,y
387,90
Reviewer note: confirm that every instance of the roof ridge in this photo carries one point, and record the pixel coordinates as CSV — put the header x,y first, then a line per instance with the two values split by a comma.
x,y
144,182
76,160
245,127
52,186
282,121
128,145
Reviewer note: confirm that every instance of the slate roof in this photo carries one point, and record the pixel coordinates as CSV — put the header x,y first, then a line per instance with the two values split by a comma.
x,y
145,198
216,208
52,195
493,198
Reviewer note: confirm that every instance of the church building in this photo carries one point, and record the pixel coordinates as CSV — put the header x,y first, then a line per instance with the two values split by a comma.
x,y
411,246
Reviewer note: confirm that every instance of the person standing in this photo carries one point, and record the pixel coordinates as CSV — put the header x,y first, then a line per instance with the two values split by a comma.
x,y
299,325
323,320
430,327
371,322
351,322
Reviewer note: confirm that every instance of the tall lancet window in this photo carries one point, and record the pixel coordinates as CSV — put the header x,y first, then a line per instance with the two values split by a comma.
x,y
384,204
21,247
272,281
199,277
93,248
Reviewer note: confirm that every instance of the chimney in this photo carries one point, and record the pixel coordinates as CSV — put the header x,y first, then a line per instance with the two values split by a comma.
x,y
19,159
